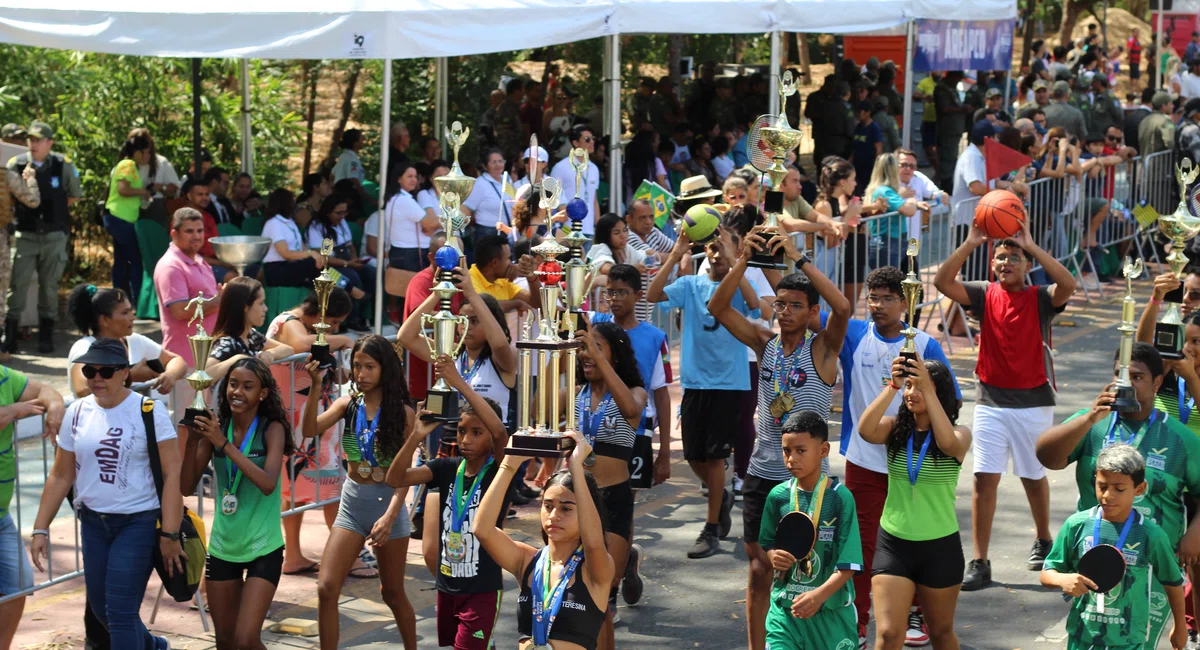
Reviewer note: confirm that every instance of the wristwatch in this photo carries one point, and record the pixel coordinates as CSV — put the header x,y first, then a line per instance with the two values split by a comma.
x,y
802,260
174,537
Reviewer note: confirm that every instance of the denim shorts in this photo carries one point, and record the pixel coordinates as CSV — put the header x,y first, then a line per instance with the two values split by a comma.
x,y
16,574
363,504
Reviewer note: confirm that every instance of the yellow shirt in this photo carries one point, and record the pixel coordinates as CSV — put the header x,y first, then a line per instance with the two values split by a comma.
x,y
501,289
927,86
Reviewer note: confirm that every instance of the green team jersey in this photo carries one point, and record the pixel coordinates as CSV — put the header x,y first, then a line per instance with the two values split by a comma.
x,y
12,384
926,510
1172,456
838,547
254,529
1167,401
1150,557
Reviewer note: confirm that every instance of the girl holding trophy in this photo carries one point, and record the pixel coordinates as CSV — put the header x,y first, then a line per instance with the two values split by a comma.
x,y
370,511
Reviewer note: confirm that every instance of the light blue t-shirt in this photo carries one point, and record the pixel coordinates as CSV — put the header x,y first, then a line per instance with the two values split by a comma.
x,y
711,358
895,223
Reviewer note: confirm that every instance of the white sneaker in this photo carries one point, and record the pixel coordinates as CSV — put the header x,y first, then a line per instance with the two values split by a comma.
x,y
1090,282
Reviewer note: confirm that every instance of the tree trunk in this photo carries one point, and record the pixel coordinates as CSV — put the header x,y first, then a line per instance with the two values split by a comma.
x,y
1072,10
736,46
347,109
1027,37
674,52
1140,9
309,82
805,57
548,55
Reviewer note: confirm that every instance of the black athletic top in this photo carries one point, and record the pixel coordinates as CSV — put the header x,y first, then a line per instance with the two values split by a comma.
x,y
579,619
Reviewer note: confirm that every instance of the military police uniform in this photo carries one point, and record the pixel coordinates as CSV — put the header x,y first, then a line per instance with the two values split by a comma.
x,y
41,240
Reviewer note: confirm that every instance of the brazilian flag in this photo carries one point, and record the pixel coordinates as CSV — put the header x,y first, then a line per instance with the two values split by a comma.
x,y
659,198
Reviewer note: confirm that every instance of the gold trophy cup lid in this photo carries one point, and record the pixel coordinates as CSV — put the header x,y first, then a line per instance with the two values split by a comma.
x,y
455,181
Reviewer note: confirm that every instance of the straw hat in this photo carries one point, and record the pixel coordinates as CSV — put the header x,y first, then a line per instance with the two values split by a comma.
x,y
696,187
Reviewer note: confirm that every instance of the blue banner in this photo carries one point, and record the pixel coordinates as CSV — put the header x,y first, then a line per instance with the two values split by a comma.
x,y
963,45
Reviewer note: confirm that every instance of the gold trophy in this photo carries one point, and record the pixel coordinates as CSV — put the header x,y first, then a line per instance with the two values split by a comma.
x,y
323,286
580,274
781,139
542,436
1126,398
442,400
455,186
912,295
201,343
1180,227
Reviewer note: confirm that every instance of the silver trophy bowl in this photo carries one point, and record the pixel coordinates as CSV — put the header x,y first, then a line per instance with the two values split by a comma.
x,y
240,251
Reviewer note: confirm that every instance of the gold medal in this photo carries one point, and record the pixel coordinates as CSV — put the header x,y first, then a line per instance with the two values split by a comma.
x,y
781,405
378,474
364,470
456,550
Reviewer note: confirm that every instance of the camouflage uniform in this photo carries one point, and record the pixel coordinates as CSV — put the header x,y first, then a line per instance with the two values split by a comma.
x,y
507,128
27,193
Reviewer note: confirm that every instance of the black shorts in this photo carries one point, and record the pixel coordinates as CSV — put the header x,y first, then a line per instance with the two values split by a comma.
x,y
754,498
405,259
267,567
857,252
1135,71
618,506
709,420
641,465
934,563
929,134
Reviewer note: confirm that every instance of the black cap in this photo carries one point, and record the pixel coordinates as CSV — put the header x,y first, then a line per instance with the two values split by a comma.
x,y
105,352
864,106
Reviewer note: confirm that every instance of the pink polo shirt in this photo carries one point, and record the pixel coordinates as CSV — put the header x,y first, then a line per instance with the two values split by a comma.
x,y
179,278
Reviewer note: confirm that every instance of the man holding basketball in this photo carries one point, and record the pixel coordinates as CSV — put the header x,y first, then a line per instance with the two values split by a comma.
x,y
1016,395
1172,454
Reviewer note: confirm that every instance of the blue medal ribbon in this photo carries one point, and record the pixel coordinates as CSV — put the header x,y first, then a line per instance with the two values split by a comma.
x,y
591,420
546,603
460,508
233,475
1113,436
913,471
1186,401
1124,530
364,432
468,374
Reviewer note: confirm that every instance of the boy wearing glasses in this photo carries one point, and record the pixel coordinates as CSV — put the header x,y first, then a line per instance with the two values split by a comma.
x,y
866,358
582,137
796,373
1016,394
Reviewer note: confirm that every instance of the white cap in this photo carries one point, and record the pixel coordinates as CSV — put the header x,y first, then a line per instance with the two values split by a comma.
x,y
542,156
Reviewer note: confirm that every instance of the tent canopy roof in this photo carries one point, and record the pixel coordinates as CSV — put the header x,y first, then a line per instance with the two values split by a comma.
x,y
401,29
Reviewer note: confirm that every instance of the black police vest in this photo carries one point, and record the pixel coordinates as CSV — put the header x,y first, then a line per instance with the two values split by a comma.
x,y
52,215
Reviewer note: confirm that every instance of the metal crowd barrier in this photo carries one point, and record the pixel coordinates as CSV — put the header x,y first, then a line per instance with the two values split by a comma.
x,y
295,362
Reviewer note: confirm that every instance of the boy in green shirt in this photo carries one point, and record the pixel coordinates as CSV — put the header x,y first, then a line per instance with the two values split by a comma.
x,y
813,610
1124,622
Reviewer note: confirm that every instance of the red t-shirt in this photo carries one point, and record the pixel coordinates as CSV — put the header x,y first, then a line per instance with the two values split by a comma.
x,y
419,288
210,231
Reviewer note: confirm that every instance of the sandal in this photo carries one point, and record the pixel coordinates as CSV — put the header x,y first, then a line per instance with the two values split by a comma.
x,y
367,566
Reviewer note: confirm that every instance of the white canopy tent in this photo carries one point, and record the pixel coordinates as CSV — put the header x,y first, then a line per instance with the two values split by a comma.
x,y
405,29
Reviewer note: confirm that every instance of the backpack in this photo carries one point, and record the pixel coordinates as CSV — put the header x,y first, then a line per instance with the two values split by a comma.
x,y
181,586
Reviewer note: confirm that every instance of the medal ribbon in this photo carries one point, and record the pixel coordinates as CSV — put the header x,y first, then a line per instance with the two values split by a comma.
x,y
1113,436
364,432
546,603
460,506
233,474
813,513
1186,401
1124,530
781,371
591,419
468,374
913,471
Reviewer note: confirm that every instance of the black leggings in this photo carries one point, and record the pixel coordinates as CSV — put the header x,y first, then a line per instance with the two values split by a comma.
x,y
297,273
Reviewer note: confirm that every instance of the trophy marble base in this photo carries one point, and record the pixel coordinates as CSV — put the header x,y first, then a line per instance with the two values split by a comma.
x,y
910,356
1126,400
544,446
190,415
1168,340
442,404
321,354
761,261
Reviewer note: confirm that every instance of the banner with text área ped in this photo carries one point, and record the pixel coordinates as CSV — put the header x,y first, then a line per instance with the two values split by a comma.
x,y
963,45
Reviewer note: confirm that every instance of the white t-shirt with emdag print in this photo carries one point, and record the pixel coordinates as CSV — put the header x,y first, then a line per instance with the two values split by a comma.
x,y
112,462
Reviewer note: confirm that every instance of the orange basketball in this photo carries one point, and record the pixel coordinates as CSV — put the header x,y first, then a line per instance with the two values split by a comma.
x,y
1000,214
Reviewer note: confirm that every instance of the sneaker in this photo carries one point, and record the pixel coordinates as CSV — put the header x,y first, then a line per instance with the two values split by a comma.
x,y
526,491
517,499
1090,282
1193,641
738,482
917,634
979,575
725,521
1037,555
706,545
631,583
862,637
512,513
703,489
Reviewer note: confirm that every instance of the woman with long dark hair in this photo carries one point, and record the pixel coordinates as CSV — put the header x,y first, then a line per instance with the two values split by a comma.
x,y
314,189
243,308
331,224
919,550
428,197
289,262
609,408
246,441
836,200
377,422
574,568
409,227
125,197
104,312
612,247
488,361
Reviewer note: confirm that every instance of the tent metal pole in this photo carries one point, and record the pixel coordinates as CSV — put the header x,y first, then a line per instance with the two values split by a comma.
x,y
613,126
383,166
1161,72
773,106
909,82
441,97
197,169
247,134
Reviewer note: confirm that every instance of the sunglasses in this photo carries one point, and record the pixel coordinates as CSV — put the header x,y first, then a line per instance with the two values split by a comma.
x,y
105,372
1113,138
587,138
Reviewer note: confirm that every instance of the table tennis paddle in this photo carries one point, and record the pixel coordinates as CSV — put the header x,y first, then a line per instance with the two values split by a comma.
x,y
797,534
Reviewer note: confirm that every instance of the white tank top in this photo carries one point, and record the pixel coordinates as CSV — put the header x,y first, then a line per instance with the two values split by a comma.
x,y
484,378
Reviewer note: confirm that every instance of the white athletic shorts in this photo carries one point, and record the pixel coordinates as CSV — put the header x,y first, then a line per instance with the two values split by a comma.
x,y
1003,432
